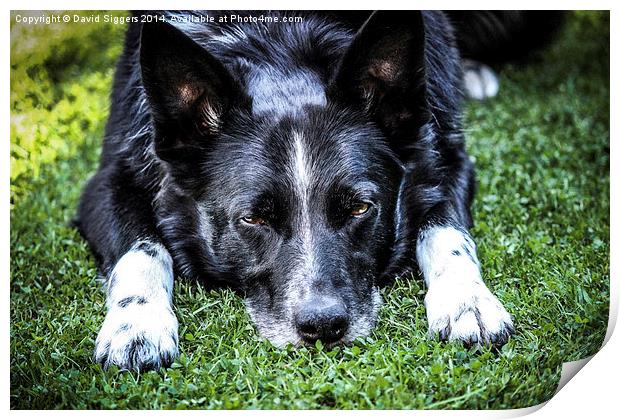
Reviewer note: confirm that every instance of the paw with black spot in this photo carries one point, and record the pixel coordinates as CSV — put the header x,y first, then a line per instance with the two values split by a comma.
x,y
138,337
467,312
479,80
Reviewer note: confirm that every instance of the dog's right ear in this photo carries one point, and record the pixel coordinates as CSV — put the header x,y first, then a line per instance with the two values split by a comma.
x,y
188,89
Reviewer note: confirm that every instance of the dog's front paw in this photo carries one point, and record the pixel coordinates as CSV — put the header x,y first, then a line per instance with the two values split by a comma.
x,y
138,337
467,312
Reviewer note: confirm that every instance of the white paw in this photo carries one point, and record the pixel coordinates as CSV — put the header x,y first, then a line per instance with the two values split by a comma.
x,y
479,80
139,336
466,311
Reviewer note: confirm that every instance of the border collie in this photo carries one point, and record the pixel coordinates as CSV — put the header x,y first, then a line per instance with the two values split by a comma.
x,y
305,164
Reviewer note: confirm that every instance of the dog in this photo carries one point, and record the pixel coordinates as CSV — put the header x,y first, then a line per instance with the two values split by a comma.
x,y
304,164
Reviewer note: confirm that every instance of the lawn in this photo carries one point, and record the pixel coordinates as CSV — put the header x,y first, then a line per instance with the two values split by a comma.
x,y
542,226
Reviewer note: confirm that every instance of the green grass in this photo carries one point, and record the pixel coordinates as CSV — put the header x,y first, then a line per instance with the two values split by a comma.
x,y
542,212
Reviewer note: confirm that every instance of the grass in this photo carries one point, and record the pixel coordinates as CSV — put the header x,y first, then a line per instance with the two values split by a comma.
x,y
542,212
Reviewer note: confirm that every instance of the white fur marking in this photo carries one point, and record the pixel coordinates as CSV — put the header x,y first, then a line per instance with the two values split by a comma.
x,y
140,328
435,256
282,331
302,180
459,306
275,93
138,273
302,176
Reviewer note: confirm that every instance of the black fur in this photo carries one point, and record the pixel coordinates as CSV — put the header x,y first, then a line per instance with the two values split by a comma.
x,y
140,300
203,118
500,36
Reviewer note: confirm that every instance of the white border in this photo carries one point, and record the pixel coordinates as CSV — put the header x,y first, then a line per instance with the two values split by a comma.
x,y
592,394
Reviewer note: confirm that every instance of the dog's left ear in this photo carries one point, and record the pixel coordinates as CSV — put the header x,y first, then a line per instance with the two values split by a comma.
x,y
384,71
189,90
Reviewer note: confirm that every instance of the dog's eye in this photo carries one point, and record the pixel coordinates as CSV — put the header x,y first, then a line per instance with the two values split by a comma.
x,y
253,220
359,209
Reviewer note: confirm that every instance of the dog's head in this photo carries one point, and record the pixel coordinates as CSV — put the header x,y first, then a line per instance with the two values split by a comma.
x,y
295,198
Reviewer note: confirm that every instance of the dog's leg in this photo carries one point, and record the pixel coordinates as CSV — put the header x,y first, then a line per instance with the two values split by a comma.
x,y
479,80
140,330
459,306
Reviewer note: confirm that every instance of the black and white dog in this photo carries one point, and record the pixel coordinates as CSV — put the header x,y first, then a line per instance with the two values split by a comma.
x,y
303,163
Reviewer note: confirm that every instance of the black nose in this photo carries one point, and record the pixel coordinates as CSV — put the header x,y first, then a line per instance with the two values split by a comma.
x,y
320,321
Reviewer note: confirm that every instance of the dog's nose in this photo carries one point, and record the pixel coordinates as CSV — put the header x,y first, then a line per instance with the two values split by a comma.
x,y
327,322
